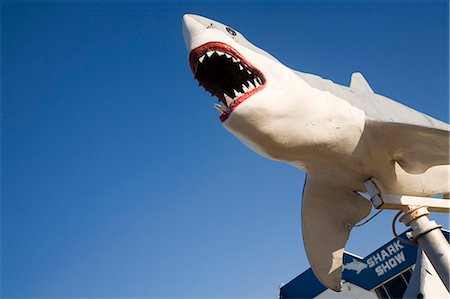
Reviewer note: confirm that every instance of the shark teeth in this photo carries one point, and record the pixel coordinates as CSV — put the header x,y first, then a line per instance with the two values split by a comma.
x,y
226,77
237,93
228,100
221,109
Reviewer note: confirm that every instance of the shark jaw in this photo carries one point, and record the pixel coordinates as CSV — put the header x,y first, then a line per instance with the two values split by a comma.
x,y
226,74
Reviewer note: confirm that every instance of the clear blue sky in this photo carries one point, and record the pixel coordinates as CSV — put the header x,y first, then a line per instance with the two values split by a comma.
x,y
117,177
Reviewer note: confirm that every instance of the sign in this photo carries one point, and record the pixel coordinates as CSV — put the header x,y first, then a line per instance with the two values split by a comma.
x,y
384,263
376,268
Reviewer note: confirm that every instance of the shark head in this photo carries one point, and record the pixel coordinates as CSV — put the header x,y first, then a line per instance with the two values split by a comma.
x,y
249,83
224,62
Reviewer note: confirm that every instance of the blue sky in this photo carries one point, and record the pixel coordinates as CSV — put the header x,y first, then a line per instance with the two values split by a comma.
x,y
117,178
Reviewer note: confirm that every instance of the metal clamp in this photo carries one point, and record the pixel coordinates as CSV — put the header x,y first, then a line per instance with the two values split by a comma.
x,y
375,193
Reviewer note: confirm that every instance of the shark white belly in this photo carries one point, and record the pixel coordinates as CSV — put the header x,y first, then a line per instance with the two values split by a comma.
x,y
339,135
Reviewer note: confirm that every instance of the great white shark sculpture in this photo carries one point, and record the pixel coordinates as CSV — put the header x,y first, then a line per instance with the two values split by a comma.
x,y
340,136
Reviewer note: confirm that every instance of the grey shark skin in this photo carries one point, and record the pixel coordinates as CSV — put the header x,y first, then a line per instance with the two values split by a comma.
x,y
340,136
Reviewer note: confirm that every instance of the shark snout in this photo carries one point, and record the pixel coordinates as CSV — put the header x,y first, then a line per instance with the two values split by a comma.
x,y
192,25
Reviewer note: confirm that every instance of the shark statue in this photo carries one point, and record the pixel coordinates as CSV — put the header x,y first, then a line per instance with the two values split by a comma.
x,y
339,135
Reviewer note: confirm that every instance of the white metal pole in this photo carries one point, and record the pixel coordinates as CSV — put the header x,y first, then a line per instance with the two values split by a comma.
x,y
431,240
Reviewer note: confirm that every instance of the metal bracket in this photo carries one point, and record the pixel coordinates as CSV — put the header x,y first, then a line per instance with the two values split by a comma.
x,y
402,202
414,213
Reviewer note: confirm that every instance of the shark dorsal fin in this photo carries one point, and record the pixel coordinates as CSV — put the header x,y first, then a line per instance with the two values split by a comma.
x,y
358,82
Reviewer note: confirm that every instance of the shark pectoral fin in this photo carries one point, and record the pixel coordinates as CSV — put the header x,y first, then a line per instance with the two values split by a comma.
x,y
328,214
414,148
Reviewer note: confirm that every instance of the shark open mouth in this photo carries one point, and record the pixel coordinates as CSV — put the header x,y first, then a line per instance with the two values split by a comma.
x,y
226,74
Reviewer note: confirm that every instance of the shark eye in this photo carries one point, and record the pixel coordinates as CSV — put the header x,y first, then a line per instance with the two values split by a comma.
x,y
231,31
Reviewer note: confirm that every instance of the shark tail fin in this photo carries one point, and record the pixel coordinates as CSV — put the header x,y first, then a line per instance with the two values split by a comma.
x,y
358,82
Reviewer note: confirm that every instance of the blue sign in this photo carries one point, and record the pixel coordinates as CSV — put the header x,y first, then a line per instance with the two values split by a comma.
x,y
384,263
379,266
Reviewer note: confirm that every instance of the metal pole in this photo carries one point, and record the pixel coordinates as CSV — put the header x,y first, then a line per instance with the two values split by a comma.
x,y
431,240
